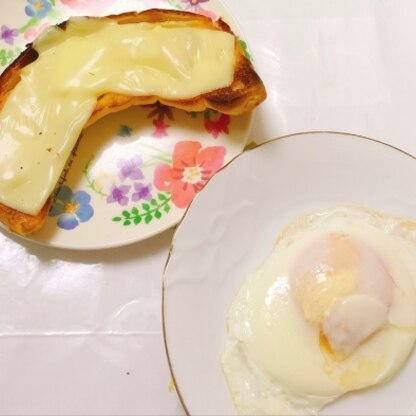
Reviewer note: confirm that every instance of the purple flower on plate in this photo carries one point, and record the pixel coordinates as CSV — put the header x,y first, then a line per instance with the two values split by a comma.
x,y
142,192
196,7
130,168
119,194
38,8
8,34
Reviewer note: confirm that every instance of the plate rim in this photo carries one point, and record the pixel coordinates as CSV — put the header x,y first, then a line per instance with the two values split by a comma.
x,y
178,225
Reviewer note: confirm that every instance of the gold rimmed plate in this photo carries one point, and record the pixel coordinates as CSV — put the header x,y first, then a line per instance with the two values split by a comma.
x,y
230,228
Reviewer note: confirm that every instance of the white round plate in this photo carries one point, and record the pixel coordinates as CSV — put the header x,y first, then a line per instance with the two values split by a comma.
x,y
121,161
232,225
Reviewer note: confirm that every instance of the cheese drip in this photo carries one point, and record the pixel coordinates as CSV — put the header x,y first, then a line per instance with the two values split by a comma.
x,y
46,111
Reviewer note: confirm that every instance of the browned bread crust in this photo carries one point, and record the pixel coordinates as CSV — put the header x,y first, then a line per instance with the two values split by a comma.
x,y
245,92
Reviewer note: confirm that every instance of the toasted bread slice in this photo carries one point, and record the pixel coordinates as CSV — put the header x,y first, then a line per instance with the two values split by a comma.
x,y
245,92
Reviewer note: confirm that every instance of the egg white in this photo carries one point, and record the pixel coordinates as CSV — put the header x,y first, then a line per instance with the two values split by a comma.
x,y
274,362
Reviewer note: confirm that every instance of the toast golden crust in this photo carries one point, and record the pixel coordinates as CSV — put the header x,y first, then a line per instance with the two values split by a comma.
x,y
245,92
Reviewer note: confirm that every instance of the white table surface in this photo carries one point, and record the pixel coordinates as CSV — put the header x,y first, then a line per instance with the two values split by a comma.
x,y
81,332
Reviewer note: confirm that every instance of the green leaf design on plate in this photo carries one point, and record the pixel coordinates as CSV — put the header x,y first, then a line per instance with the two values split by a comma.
x,y
175,4
146,212
92,183
7,56
245,49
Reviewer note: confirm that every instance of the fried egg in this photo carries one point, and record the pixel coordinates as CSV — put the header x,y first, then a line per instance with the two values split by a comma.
x,y
331,310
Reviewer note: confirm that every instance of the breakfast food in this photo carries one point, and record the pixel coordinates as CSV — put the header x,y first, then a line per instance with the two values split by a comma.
x,y
86,68
331,310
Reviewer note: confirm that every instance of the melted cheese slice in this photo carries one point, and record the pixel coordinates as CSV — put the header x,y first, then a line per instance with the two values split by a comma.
x,y
45,113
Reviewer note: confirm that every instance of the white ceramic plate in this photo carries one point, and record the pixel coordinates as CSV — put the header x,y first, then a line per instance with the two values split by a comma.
x,y
114,168
231,227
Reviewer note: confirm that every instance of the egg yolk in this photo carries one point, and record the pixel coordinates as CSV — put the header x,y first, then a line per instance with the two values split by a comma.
x,y
342,285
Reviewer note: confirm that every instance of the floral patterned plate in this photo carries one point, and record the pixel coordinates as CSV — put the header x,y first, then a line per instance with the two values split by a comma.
x,y
133,173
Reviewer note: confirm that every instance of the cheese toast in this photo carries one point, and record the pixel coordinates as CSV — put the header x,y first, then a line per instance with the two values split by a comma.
x,y
244,93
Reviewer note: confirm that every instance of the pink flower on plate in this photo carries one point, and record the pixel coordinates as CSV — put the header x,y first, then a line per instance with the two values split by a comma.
x,y
220,125
205,13
34,32
88,6
160,129
191,168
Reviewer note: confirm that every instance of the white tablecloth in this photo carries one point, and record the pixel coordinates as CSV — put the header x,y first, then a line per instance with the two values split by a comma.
x,y
81,332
